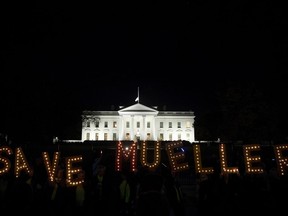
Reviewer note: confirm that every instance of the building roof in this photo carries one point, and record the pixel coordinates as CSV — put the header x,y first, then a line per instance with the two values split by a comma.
x,y
138,108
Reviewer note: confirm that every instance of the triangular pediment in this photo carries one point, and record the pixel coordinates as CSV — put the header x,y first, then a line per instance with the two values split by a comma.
x,y
138,108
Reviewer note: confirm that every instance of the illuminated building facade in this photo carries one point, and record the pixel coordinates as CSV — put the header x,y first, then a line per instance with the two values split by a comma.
x,y
138,122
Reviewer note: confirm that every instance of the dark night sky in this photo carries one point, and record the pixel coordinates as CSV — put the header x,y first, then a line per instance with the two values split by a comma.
x,y
59,60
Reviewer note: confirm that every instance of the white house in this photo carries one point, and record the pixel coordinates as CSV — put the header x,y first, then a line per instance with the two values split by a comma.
x,y
138,122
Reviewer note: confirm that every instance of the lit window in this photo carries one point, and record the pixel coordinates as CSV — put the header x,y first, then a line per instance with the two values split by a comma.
x,y
88,136
179,136
127,136
188,136
114,124
170,136
97,136
148,136
105,136
114,136
188,124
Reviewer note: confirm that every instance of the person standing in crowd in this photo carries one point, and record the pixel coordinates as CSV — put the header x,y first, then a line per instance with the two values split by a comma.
x,y
125,194
22,194
104,190
80,194
152,199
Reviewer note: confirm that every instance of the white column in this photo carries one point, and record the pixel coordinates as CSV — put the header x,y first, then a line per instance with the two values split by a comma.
x,y
143,130
153,129
121,128
132,127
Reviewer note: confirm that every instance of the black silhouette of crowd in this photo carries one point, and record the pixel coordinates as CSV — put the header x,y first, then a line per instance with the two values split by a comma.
x,y
160,192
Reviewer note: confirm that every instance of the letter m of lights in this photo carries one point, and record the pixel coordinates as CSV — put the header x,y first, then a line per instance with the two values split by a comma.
x,y
126,153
